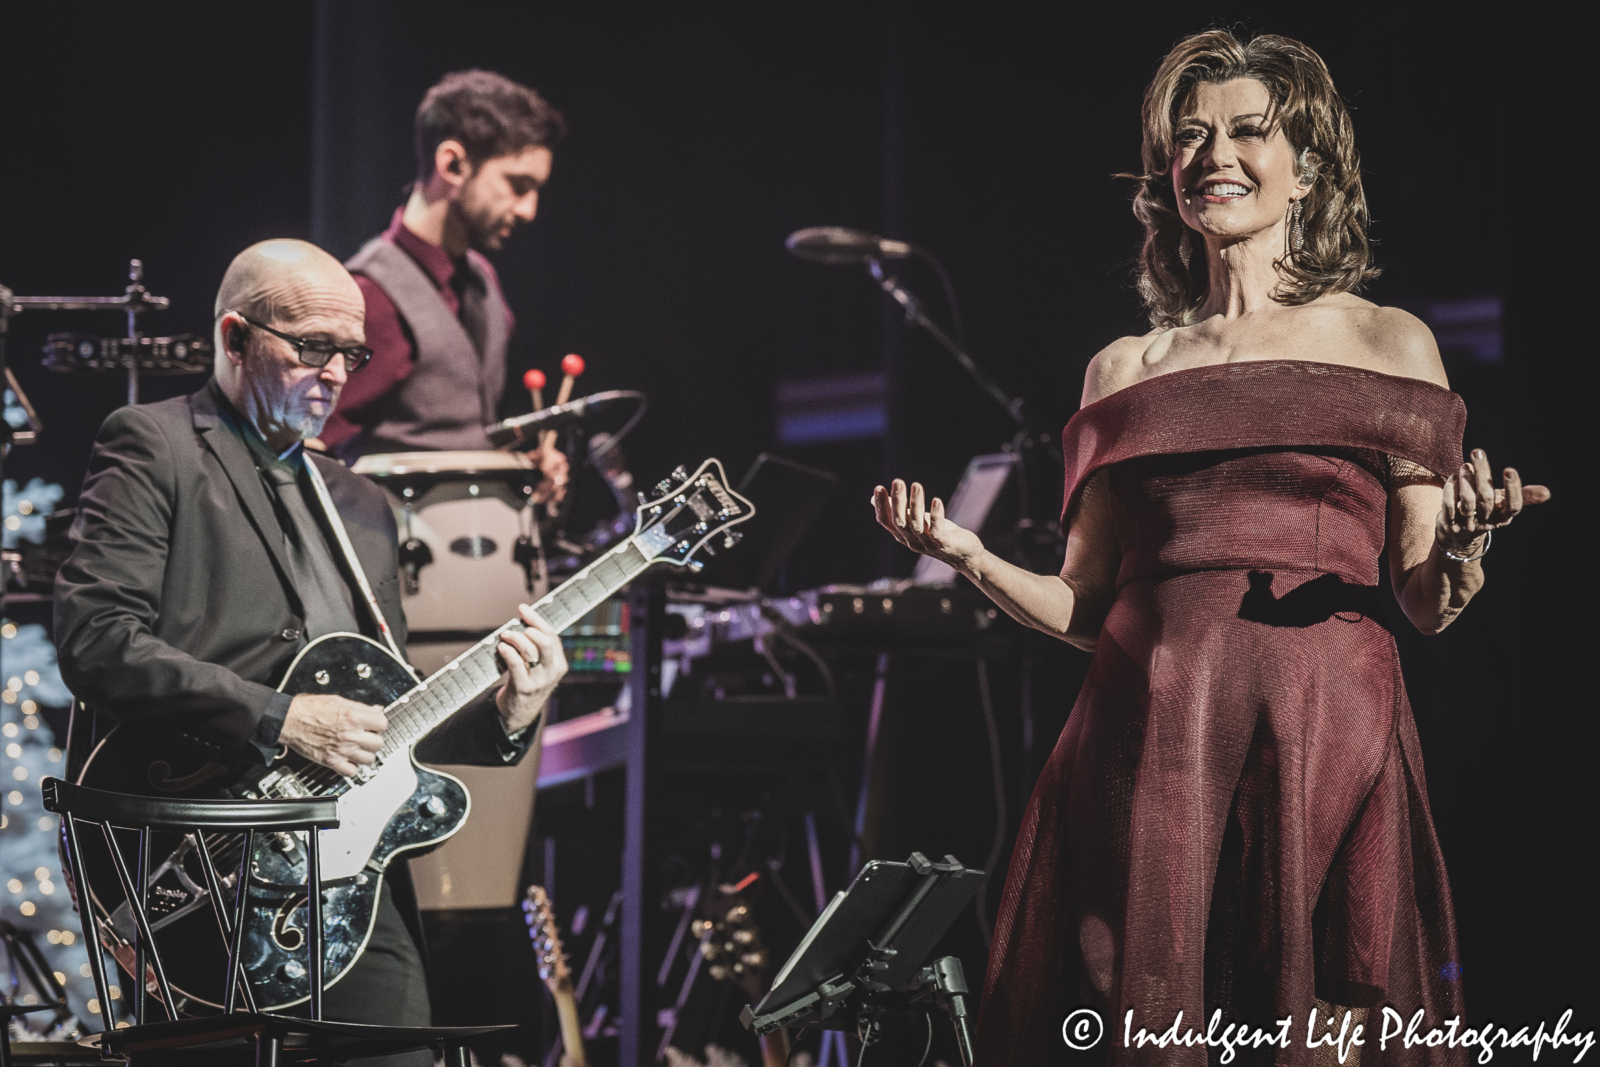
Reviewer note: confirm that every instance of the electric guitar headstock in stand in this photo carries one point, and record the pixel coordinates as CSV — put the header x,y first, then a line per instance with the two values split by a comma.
x,y
730,943
553,971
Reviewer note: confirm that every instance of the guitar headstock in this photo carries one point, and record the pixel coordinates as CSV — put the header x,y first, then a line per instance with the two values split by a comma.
x,y
541,920
688,512
729,940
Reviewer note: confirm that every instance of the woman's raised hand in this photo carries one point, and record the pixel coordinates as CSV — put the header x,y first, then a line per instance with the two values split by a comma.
x,y
922,527
1473,506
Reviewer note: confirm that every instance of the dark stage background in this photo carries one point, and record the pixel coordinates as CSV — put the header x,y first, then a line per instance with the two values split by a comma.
x,y
703,133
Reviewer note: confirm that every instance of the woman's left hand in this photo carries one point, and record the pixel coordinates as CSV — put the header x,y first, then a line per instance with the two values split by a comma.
x,y
1473,506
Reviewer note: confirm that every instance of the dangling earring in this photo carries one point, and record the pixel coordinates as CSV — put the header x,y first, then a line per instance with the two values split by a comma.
x,y
1183,248
1297,230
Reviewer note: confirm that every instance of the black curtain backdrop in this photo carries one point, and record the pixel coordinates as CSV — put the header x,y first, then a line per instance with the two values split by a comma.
x,y
703,133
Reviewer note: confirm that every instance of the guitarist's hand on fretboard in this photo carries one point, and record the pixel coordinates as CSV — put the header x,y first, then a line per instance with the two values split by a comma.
x,y
333,731
535,663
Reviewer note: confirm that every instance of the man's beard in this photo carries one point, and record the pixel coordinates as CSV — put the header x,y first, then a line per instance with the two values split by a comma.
x,y
483,229
278,409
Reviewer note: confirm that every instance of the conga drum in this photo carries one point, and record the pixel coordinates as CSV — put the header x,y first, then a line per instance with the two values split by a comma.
x,y
462,516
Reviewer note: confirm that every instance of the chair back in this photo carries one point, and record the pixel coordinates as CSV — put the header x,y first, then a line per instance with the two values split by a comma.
x,y
79,805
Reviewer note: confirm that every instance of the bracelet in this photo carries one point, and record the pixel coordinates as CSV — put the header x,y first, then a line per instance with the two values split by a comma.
x,y
1488,539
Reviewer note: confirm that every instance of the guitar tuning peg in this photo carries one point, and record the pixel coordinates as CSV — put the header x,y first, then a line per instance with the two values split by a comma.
x,y
696,565
731,538
663,487
680,473
643,500
709,549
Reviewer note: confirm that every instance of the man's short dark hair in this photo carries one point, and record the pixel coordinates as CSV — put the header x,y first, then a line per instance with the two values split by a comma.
x,y
490,115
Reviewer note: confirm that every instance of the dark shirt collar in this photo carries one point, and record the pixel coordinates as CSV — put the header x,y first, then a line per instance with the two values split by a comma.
x,y
431,258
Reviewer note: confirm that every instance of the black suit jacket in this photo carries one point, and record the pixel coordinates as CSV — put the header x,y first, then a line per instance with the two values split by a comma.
x,y
175,612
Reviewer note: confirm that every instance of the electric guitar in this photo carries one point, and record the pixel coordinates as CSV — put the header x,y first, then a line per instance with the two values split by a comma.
x,y
731,945
388,809
554,973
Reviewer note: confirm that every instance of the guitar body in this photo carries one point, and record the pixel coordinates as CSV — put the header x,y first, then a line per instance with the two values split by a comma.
x,y
400,808
391,809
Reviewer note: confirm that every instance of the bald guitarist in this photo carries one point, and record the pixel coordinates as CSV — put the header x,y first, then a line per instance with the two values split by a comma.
x,y
207,558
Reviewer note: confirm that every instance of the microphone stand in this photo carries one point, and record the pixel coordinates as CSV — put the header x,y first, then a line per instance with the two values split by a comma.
x,y
1033,545
914,314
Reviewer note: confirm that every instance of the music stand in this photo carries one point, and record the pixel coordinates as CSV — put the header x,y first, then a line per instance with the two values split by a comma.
x,y
863,957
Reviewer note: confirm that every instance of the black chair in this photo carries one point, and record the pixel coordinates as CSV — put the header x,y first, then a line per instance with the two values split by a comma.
x,y
233,1035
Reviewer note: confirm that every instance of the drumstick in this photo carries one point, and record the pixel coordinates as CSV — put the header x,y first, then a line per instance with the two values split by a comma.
x,y
533,382
571,367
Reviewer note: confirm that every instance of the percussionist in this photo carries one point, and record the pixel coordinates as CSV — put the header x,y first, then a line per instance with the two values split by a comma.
x,y
436,318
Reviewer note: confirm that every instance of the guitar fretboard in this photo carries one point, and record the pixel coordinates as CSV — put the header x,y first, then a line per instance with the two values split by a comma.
x,y
463,679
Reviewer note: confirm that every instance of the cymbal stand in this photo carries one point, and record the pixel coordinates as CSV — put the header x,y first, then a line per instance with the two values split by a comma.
x,y
134,301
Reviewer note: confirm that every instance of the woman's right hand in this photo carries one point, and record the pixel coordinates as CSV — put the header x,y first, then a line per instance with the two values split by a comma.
x,y
922,527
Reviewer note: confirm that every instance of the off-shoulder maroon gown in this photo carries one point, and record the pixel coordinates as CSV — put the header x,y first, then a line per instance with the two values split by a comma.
x,y
1235,815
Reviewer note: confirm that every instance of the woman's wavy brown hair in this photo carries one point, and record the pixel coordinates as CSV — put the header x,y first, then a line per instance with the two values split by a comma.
x,y
1335,256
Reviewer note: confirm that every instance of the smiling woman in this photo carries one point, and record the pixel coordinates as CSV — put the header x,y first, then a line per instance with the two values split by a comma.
x,y
1234,819
1270,97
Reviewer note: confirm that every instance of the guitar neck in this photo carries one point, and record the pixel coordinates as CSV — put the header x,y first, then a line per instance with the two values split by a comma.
x,y
463,679
567,1014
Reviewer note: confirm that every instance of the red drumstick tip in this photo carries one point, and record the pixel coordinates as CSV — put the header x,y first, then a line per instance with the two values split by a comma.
x,y
572,365
533,379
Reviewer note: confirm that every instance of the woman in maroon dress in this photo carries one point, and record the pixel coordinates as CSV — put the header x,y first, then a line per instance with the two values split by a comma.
x,y
1235,816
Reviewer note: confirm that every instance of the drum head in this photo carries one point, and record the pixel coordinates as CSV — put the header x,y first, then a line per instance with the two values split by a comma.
x,y
414,464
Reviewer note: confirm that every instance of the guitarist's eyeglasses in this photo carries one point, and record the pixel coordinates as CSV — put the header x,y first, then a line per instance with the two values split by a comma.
x,y
318,353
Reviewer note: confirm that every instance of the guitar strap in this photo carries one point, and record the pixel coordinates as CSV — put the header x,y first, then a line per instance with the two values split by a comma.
x,y
337,525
